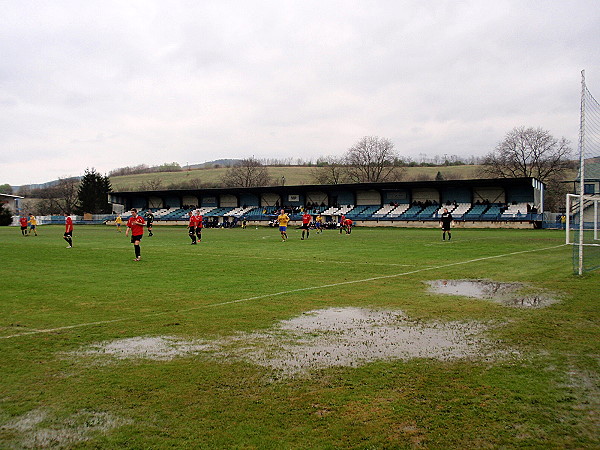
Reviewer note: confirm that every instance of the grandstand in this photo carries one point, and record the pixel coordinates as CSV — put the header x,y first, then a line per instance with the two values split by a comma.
x,y
516,210
398,211
514,202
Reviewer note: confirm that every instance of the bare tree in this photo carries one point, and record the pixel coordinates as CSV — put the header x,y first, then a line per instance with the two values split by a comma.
x,y
371,159
555,193
248,172
532,152
329,170
47,202
24,191
151,184
528,152
57,199
188,183
66,191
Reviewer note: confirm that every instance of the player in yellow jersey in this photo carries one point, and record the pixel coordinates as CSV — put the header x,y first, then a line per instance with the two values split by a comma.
x,y
283,220
32,224
319,223
118,223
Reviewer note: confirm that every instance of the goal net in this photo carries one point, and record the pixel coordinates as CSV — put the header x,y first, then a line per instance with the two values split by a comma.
x,y
582,231
582,208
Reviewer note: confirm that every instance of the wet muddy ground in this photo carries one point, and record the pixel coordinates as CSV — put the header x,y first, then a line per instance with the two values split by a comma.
x,y
40,429
160,348
315,340
507,294
355,336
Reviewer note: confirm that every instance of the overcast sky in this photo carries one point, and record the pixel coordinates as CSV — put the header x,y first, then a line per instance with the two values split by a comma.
x,y
107,84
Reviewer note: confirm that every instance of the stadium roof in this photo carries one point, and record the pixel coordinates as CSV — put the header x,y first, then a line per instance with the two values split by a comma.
x,y
388,186
592,171
10,196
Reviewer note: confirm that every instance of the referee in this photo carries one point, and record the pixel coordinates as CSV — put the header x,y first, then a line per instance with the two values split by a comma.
x,y
446,219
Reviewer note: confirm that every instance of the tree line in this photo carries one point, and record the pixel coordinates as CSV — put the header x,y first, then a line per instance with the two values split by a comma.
x,y
524,152
143,168
71,196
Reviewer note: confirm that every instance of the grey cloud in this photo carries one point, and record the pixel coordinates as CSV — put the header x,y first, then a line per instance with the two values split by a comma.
x,y
119,81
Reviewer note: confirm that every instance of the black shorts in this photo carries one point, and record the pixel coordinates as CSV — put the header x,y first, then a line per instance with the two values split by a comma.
x,y
149,224
446,227
192,230
136,238
305,226
68,234
198,231
24,228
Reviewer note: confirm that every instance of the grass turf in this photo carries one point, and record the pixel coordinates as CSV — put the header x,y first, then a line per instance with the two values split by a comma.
x,y
56,300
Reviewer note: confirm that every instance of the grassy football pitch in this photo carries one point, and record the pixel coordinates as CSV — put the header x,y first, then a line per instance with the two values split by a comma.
x,y
337,341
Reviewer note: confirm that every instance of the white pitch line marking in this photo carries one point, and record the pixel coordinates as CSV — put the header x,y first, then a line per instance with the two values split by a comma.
x,y
329,261
275,294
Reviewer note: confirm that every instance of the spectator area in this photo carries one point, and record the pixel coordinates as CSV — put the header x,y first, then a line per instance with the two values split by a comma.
x,y
491,200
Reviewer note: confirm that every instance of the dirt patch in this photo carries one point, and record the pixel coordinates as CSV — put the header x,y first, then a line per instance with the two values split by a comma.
x,y
508,294
38,429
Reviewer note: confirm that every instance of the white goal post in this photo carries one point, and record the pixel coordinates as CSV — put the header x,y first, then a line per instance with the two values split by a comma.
x,y
591,208
581,228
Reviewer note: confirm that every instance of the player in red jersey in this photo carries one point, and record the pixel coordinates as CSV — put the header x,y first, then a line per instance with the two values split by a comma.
x,y
68,236
23,222
192,227
199,225
348,226
135,224
306,218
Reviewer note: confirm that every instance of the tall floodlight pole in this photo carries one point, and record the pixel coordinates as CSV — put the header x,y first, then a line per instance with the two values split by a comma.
x,y
581,169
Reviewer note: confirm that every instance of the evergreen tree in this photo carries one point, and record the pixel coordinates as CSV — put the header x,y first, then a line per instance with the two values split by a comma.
x,y
5,216
93,193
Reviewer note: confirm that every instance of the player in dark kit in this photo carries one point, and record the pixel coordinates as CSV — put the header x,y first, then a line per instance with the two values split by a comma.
x,y
192,227
68,236
149,219
135,224
342,223
306,218
446,220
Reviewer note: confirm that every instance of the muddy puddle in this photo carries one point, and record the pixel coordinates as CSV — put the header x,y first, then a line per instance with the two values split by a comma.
x,y
355,336
315,340
160,348
40,429
507,294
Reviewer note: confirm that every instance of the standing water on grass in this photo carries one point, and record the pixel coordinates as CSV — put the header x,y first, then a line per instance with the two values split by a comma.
x,y
508,294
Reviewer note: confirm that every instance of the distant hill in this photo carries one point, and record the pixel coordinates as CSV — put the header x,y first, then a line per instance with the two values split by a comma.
x,y
47,184
212,164
288,175
205,165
